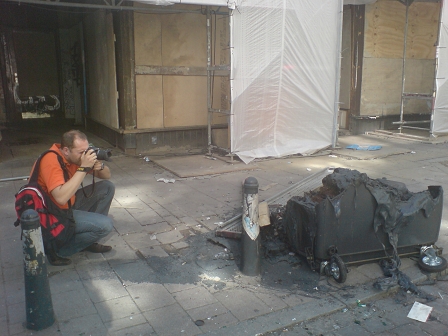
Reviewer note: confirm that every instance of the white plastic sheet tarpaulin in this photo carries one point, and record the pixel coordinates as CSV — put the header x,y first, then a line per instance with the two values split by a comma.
x,y
439,124
284,76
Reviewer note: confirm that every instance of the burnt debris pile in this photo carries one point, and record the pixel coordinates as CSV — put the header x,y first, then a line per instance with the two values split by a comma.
x,y
331,219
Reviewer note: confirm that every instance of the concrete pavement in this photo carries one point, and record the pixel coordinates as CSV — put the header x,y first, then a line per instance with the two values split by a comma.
x,y
164,275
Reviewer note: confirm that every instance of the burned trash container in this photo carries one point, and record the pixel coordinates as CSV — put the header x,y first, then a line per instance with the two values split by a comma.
x,y
354,219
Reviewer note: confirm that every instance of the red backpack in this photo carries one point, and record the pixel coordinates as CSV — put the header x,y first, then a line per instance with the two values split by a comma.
x,y
58,225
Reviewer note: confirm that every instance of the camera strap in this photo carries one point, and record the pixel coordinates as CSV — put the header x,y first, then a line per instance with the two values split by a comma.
x,y
93,186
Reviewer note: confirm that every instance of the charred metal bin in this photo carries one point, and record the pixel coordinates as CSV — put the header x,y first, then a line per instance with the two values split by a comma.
x,y
354,219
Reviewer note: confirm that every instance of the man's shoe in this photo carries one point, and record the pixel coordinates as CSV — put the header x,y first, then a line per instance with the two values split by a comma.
x,y
56,260
98,248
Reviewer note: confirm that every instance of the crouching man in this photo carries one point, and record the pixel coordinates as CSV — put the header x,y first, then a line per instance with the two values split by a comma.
x,y
90,204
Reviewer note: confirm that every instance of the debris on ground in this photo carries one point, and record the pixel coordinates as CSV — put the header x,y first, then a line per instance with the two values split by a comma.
x,y
166,180
365,147
420,312
393,277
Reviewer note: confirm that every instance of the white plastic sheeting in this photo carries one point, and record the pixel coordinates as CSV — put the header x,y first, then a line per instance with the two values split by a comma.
x,y
229,3
358,2
284,76
439,123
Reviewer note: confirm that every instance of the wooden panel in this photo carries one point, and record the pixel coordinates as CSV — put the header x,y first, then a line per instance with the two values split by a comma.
x,y
220,138
384,29
221,99
148,39
385,26
101,67
423,26
184,40
173,48
149,101
185,101
383,64
419,76
125,54
381,86
416,106
222,51
179,70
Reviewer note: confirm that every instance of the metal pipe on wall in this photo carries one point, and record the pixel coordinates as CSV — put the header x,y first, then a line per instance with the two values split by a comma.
x,y
112,7
209,82
403,76
338,82
436,67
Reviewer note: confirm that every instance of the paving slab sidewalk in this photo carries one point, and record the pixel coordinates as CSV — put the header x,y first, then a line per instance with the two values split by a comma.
x,y
163,274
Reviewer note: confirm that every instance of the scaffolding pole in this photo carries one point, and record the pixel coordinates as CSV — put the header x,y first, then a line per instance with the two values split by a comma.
x,y
436,67
406,95
211,68
209,82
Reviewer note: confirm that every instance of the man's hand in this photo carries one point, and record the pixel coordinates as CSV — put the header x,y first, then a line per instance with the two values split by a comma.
x,y
88,159
101,170
99,165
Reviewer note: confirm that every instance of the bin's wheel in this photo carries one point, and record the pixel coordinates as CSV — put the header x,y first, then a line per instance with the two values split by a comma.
x,y
432,265
337,269
332,250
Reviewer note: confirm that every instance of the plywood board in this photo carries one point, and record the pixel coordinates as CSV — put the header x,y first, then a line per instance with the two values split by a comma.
x,y
419,76
423,29
184,40
221,52
199,165
148,39
381,86
221,98
149,101
101,64
383,56
220,138
185,101
385,27
178,98
417,106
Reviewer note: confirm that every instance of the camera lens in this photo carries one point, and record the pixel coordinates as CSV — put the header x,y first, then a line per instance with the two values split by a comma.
x,y
103,154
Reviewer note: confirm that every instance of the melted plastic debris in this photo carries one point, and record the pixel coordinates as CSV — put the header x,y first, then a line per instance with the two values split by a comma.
x,y
396,277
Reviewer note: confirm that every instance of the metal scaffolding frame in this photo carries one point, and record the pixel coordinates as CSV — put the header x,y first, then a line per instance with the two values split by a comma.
x,y
118,5
211,68
405,96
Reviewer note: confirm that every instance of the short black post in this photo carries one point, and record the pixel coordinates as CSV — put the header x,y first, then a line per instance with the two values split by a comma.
x,y
39,307
250,238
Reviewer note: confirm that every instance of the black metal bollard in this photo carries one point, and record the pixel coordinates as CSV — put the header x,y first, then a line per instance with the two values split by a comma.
x,y
250,238
39,307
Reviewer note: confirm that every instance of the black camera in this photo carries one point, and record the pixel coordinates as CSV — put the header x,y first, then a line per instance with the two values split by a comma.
x,y
101,154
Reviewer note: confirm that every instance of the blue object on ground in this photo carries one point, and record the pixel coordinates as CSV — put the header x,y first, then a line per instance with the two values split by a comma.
x,y
369,148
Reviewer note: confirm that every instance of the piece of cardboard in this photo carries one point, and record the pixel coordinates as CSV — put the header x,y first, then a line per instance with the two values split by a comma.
x,y
420,312
263,214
